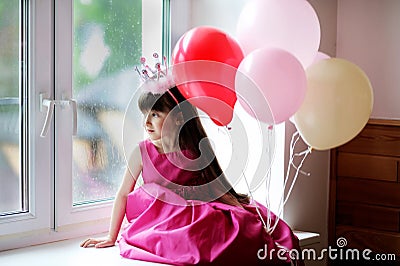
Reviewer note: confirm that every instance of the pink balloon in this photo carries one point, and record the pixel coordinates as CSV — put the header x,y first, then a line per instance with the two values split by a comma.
x,y
271,84
291,25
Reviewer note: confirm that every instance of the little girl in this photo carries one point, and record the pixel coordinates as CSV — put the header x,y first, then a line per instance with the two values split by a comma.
x,y
186,212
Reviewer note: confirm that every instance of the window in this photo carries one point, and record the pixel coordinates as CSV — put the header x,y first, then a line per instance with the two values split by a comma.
x,y
66,65
12,110
107,45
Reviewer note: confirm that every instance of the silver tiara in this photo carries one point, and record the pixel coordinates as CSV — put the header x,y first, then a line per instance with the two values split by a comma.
x,y
157,79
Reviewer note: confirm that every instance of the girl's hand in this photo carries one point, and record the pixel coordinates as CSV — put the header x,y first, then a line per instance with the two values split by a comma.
x,y
98,242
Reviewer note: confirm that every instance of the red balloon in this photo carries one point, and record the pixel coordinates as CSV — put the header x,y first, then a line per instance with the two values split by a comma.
x,y
205,62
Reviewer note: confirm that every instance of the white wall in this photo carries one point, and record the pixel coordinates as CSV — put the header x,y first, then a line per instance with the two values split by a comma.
x,y
369,36
366,33
222,14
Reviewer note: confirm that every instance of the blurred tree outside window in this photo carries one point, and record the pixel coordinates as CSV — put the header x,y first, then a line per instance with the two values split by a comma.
x,y
107,46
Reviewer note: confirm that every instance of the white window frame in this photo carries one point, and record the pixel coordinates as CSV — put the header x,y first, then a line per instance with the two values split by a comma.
x,y
40,72
65,214
51,214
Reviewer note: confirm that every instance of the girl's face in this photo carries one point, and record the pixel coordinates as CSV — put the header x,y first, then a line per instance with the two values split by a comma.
x,y
159,124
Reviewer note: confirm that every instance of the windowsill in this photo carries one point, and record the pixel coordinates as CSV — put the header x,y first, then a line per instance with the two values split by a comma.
x,y
69,253
66,253
307,238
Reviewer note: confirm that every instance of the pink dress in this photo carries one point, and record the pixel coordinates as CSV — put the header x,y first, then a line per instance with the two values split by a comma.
x,y
166,226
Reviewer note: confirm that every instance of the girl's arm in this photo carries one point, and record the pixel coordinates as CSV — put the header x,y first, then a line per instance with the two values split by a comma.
x,y
118,212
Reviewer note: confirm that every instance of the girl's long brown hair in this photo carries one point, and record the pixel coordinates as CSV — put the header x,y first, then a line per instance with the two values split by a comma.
x,y
191,133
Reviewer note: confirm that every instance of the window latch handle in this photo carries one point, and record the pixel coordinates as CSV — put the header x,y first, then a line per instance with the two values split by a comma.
x,y
73,104
49,114
50,105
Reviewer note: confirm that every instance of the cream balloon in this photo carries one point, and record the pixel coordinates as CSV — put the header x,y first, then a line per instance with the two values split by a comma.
x,y
337,105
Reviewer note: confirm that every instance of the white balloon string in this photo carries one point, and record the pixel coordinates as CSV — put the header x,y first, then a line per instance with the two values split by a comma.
x,y
268,182
255,204
304,153
293,142
269,219
301,154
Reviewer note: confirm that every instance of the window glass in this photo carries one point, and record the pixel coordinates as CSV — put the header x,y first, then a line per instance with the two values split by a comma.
x,y
107,46
11,196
